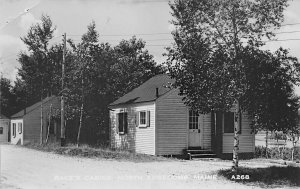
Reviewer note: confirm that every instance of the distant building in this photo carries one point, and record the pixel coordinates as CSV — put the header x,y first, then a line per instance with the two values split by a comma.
x,y
26,124
4,129
153,119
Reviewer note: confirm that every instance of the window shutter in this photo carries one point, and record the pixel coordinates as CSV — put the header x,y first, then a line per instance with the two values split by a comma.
x,y
125,124
137,121
148,119
117,123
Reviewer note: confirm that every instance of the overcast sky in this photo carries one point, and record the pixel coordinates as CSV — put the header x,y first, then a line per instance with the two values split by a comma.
x,y
115,20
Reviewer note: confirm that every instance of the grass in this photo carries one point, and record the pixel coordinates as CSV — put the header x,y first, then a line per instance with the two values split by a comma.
x,y
92,152
273,176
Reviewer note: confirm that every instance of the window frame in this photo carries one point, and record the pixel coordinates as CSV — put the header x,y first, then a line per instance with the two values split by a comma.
x,y
1,130
147,119
140,118
193,119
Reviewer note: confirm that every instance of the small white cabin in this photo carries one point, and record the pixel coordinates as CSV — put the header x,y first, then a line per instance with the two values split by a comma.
x,y
152,119
26,124
4,128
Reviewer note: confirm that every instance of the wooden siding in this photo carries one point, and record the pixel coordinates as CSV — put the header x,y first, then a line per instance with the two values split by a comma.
x,y
247,143
207,131
32,121
137,139
4,123
171,124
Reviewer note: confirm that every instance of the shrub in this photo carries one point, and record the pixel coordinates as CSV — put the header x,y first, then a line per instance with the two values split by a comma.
x,y
277,153
278,136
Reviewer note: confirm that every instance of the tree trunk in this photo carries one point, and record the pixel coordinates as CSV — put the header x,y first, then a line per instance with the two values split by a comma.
x,y
41,134
235,160
41,129
81,109
293,149
267,143
80,125
49,124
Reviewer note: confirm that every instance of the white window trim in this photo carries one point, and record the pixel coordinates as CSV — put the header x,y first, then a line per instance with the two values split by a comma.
x,y
143,125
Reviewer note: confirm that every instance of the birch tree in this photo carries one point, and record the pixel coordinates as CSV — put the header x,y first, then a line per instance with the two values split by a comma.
x,y
207,57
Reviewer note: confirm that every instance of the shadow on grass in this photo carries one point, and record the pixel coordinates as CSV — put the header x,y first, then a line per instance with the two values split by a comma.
x,y
264,177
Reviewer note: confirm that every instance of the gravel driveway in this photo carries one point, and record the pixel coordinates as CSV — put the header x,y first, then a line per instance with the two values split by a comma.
x,y
27,168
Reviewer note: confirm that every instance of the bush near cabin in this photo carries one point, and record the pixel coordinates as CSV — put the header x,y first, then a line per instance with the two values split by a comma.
x,y
277,153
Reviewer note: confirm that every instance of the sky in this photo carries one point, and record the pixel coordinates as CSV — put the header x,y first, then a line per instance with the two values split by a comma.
x,y
115,20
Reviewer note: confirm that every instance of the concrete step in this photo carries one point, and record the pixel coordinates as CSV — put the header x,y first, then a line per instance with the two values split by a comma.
x,y
209,155
203,151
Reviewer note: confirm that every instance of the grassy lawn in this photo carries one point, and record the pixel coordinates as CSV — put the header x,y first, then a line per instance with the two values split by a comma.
x,y
273,176
92,152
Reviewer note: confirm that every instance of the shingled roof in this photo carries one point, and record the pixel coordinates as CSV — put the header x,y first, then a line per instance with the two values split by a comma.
x,y
3,116
147,91
33,107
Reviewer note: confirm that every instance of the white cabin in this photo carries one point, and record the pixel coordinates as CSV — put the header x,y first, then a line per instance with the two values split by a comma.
x,y
4,129
152,119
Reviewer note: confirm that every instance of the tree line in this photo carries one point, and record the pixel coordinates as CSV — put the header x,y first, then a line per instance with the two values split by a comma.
x,y
96,74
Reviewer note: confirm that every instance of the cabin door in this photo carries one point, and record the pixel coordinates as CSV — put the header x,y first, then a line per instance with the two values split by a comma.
x,y
195,129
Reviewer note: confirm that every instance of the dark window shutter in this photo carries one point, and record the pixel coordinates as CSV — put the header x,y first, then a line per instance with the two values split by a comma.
x,y
125,122
118,122
137,119
148,119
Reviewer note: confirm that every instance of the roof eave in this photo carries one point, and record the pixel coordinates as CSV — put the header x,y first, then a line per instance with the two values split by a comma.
x,y
121,104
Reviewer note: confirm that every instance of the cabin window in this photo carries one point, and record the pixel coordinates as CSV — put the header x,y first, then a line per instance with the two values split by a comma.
x,y
1,130
228,122
193,119
14,130
143,118
19,128
123,122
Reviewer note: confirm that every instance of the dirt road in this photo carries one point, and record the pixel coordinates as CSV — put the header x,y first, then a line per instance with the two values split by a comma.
x,y
27,168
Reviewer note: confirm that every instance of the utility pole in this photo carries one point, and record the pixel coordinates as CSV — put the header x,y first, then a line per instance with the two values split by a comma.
x,y
62,120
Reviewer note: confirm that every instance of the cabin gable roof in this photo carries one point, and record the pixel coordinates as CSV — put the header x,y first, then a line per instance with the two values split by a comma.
x,y
147,91
29,109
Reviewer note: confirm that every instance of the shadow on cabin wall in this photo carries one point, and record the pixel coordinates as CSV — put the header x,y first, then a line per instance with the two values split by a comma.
x,y
125,141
